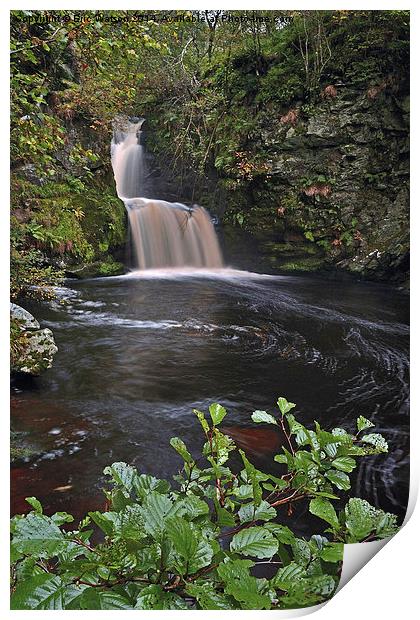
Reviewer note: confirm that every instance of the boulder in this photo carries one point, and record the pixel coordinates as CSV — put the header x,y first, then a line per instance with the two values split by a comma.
x,y
35,348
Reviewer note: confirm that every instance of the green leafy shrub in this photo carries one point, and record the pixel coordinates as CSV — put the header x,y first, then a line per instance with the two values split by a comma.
x,y
198,544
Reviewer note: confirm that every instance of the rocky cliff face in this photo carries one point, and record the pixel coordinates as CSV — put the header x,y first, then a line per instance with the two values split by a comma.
x,y
336,187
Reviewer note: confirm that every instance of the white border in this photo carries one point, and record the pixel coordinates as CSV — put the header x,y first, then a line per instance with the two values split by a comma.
x,y
387,586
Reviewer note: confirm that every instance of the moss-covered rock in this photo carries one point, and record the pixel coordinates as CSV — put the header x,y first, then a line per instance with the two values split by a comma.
x,y
108,267
32,348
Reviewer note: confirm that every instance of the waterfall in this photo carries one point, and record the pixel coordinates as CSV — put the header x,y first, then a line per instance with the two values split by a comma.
x,y
164,234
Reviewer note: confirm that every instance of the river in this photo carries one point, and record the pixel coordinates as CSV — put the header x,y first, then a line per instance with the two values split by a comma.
x,y
138,352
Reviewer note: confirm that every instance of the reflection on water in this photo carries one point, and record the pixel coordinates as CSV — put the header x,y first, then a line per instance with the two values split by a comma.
x,y
138,353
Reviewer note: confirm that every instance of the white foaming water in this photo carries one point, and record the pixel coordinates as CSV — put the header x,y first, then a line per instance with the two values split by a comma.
x,y
164,234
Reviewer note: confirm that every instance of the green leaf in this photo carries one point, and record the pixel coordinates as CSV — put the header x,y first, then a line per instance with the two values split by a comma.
x,y
144,484
35,503
190,507
207,597
104,520
284,405
180,533
254,541
377,441
244,491
358,518
339,479
301,551
286,575
94,598
344,463
44,591
196,552
386,524
154,510
333,552
123,474
181,448
362,519
263,416
224,517
363,423
253,478
281,532
217,413
250,512
38,534
202,420
241,585
154,597
301,433
323,508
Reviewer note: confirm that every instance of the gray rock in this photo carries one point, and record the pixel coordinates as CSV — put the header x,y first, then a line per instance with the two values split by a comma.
x,y
38,347
29,322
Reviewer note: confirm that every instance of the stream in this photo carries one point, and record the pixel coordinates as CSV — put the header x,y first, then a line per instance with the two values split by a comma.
x,y
138,352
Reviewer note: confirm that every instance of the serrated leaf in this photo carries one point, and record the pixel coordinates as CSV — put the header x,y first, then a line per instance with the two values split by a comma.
x,y
330,449
333,552
38,534
217,413
358,517
44,591
254,541
252,477
154,597
94,598
386,524
281,532
197,553
123,474
241,585
323,508
201,418
224,517
145,483
339,479
284,405
104,520
250,512
344,463
363,423
181,534
302,435
286,575
244,491
207,597
190,507
301,551
178,445
154,510
263,416
376,440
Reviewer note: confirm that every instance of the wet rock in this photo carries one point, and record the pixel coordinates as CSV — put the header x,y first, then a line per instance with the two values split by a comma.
x,y
34,348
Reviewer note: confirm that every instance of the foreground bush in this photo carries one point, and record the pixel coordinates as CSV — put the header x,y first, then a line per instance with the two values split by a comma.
x,y
199,545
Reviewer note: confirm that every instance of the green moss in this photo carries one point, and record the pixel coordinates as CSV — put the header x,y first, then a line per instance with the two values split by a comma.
x,y
78,220
304,264
111,268
19,450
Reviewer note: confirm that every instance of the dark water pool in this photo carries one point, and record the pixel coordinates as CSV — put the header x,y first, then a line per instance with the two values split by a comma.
x,y
137,354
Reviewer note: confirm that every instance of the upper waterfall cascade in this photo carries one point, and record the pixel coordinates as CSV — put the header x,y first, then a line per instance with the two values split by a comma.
x,y
164,234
